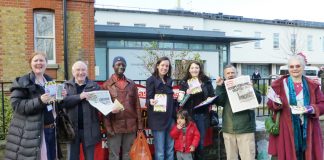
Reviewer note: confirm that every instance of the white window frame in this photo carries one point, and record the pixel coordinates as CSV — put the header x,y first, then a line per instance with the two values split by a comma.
x,y
109,23
165,26
188,27
293,41
139,25
310,43
36,13
276,40
257,44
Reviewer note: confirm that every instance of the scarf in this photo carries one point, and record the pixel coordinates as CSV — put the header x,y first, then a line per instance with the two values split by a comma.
x,y
300,130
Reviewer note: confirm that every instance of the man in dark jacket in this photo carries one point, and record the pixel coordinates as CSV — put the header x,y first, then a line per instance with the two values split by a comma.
x,y
84,117
256,76
238,128
122,125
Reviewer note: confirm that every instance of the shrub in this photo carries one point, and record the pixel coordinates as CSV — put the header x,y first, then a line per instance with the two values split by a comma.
x,y
7,110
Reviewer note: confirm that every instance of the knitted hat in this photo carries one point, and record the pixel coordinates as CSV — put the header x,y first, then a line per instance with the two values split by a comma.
x,y
119,58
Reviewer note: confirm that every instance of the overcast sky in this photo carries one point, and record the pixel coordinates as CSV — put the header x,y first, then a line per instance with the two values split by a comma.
x,y
309,10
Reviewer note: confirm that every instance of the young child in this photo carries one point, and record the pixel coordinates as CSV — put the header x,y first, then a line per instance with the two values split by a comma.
x,y
185,135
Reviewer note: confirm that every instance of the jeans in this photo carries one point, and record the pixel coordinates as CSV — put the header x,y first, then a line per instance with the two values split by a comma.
x,y
73,149
201,122
163,143
50,143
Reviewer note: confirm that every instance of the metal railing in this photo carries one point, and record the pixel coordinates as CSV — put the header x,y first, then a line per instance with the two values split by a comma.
x,y
259,84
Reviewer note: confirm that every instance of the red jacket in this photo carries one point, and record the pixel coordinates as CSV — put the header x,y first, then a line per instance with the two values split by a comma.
x,y
283,145
183,142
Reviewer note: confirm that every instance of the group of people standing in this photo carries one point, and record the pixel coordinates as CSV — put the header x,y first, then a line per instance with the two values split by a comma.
x,y
181,129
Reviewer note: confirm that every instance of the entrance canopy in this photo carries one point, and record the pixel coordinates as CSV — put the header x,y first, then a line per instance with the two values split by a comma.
x,y
104,31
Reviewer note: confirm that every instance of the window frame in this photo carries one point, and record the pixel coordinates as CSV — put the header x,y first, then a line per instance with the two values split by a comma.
x,y
310,42
276,40
50,61
257,44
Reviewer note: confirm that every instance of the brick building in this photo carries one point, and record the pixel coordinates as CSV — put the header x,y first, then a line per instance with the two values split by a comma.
x,y
39,25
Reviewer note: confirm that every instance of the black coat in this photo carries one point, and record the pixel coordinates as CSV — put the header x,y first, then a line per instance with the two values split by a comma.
x,y
196,99
24,135
159,120
90,114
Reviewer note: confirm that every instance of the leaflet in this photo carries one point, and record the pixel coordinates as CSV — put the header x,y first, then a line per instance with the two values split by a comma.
x,y
161,104
194,85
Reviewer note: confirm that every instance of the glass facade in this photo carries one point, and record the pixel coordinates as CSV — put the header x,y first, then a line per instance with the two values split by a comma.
x,y
103,46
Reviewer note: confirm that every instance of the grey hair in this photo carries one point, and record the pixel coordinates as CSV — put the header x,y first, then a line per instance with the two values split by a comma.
x,y
299,58
230,66
79,62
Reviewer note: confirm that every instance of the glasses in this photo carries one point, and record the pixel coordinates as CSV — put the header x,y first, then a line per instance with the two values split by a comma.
x,y
294,66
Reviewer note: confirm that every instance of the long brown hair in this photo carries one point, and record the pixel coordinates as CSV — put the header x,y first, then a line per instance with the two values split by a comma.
x,y
156,71
201,75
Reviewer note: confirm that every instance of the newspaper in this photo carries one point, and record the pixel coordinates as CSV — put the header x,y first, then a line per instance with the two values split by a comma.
x,y
194,85
273,95
103,102
241,94
208,101
161,104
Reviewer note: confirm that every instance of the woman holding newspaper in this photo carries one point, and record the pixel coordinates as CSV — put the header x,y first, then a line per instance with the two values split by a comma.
x,y
32,131
198,87
300,103
161,108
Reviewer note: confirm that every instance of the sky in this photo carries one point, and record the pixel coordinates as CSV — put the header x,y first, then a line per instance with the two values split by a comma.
x,y
308,10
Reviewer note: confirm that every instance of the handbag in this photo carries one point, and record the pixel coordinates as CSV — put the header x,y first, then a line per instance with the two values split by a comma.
x,y
214,121
140,149
64,127
271,126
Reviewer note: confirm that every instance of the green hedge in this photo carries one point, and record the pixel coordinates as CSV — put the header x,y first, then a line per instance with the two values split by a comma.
x,y
7,116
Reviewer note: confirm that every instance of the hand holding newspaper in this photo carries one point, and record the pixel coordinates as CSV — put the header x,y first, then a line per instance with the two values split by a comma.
x,y
208,101
103,102
298,109
273,95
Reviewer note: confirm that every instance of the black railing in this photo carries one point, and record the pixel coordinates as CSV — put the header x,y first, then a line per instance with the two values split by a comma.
x,y
260,84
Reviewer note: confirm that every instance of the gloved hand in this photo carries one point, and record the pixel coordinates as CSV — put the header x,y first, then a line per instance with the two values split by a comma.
x,y
309,110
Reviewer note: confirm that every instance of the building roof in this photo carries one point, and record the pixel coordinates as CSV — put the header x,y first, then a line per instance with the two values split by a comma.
x,y
168,34
222,17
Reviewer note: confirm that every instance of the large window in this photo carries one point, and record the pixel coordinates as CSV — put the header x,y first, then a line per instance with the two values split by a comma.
x,y
44,34
309,42
276,40
257,43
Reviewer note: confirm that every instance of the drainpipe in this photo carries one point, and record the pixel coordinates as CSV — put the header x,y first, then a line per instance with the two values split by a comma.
x,y
66,59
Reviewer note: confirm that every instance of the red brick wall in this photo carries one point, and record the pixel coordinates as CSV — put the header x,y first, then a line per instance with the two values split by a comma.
x,y
84,7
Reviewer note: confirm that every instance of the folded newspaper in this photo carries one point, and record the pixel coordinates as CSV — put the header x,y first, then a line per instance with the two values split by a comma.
x,y
103,102
273,96
208,101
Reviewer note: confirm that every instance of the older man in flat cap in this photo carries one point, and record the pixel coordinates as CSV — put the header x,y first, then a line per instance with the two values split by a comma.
x,y
122,125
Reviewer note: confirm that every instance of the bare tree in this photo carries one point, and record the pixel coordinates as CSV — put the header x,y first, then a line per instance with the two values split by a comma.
x,y
179,59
